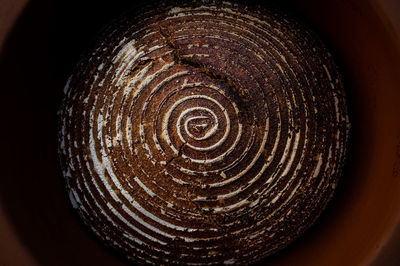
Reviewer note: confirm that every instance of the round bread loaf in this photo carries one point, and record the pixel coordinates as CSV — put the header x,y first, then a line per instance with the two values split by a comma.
x,y
203,133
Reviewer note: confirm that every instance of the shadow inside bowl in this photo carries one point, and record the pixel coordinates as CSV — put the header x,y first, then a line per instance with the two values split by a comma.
x,y
39,55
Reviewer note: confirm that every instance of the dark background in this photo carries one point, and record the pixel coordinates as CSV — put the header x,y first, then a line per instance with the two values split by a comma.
x,y
37,58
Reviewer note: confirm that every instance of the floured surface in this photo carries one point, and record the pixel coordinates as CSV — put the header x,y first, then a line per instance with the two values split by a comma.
x,y
206,135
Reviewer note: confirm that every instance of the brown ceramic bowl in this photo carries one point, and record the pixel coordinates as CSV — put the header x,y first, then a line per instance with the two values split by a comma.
x,y
40,41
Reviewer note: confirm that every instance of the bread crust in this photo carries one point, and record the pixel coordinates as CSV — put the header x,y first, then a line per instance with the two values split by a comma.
x,y
203,133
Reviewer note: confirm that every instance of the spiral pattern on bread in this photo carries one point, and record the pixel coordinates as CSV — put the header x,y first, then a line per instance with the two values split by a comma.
x,y
203,133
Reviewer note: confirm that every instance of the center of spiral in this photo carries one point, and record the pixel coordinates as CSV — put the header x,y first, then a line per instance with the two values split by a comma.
x,y
200,126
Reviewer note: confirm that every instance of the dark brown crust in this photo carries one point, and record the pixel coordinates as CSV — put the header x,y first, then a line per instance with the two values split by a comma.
x,y
157,194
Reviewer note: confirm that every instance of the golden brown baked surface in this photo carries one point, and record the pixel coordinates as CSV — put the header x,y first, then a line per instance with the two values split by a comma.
x,y
203,134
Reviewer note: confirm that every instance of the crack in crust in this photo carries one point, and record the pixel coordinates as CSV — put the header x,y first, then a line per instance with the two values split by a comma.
x,y
237,91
